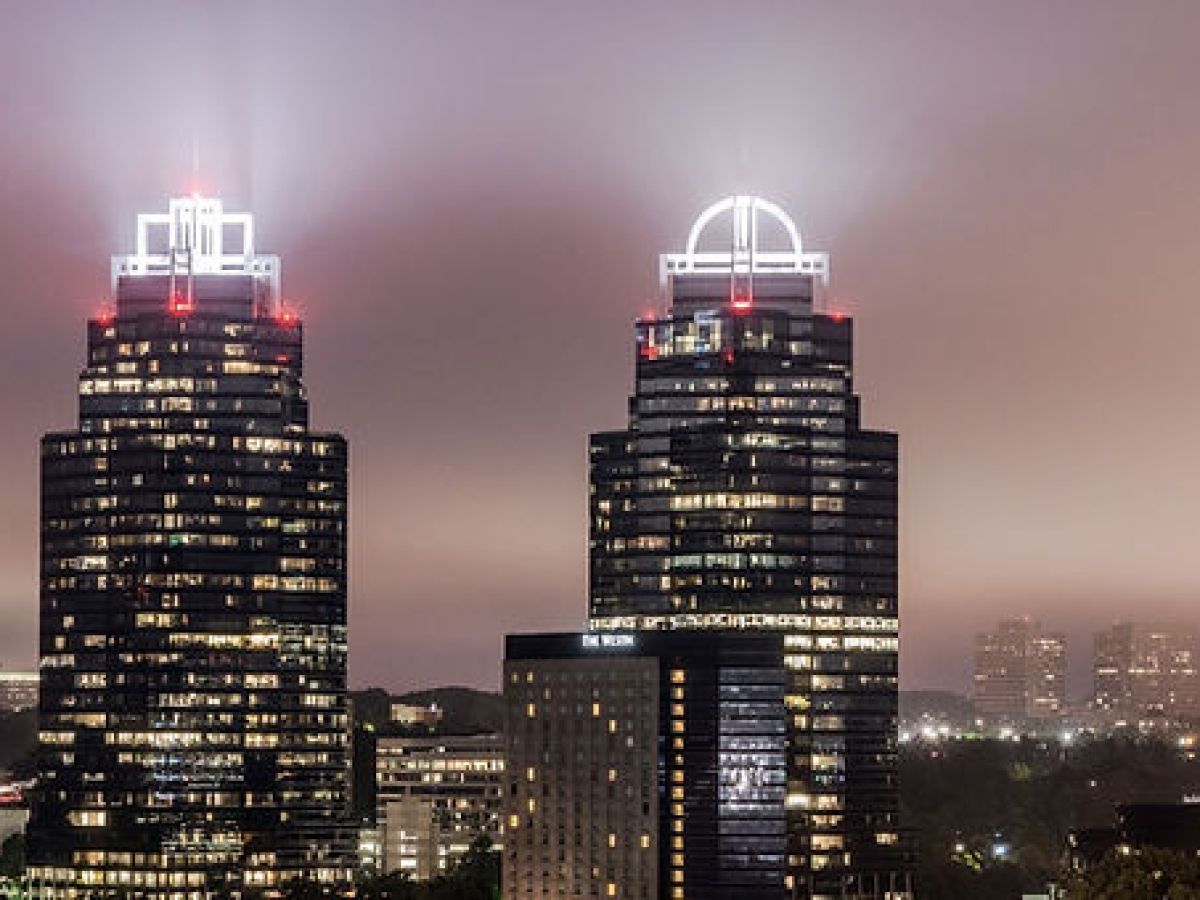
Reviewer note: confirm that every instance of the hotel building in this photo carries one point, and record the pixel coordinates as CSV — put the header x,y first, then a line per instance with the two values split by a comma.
x,y
645,765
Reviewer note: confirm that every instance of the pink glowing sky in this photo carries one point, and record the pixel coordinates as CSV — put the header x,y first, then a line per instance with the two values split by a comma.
x,y
469,199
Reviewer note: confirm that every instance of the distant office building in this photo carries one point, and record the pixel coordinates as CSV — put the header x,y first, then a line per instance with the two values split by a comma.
x,y
1020,672
410,715
370,851
18,691
193,589
1145,673
1047,676
435,796
646,765
745,493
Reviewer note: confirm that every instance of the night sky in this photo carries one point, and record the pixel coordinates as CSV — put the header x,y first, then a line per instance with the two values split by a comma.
x,y
469,200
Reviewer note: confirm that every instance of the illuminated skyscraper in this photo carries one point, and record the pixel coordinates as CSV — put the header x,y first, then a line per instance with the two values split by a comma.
x,y
744,494
1145,674
1020,672
193,589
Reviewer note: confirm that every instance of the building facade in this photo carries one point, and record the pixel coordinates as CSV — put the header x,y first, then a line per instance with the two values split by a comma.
x,y
193,589
13,819
18,691
1145,675
744,493
645,765
1020,672
412,716
435,796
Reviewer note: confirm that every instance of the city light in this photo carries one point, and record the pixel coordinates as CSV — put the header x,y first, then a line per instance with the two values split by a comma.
x,y
180,305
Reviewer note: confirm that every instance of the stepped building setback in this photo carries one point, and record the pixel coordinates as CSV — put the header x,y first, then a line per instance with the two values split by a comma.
x,y
744,496
193,589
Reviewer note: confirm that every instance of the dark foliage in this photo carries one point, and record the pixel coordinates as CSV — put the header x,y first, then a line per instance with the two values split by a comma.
x,y
18,740
12,856
968,799
1150,874
476,876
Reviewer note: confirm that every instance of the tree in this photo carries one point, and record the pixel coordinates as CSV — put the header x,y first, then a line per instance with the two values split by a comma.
x,y
12,856
305,889
473,876
393,886
1147,874
478,868
1025,796
240,893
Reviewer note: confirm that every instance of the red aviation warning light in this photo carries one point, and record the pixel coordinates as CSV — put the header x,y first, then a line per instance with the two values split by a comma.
x,y
179,304
741,298
106,315
287,316
646,334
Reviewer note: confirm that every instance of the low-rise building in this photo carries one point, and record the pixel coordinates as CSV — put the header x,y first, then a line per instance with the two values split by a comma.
x,y
435,796
13,820
18,691
410,715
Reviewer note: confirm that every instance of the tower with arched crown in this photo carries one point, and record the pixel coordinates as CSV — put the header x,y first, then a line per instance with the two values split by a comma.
x,y
744,494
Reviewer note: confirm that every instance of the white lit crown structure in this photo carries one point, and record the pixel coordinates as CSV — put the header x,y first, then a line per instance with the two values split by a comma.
x,y
744,256
197,237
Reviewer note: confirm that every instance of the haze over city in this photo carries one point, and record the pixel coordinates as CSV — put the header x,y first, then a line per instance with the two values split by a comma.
x,y
1006,191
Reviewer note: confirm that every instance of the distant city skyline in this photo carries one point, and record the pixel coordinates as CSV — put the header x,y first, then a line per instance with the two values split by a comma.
x,y
468,197
1020,672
